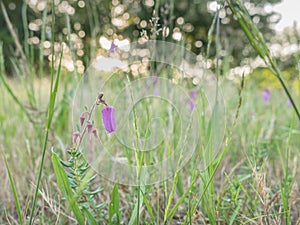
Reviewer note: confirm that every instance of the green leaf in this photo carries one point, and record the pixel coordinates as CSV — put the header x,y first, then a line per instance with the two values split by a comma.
x,y
13,187
66,189
114,213
149,208
134,214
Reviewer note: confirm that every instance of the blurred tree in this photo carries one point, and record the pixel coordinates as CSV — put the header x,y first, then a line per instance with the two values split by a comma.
x,y
187,21
193,19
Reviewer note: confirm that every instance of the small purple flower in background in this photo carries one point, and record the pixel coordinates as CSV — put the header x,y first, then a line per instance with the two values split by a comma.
x,y
112,47
288,103
156,91
266,95
192,104
193,94
109,119
192,99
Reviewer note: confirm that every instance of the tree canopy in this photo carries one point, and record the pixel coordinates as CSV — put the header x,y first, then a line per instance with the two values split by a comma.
x,y
185,21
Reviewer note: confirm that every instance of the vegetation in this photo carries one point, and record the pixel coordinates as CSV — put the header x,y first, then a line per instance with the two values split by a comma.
x,y
223,140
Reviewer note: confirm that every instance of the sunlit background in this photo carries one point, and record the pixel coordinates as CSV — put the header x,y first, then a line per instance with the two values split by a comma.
x,y
90,29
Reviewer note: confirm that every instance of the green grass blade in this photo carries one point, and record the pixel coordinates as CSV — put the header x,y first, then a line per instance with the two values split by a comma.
x,y
65,187
181,199
134,215
25,29
113,212
48,123
9,89
50,111
171,196
89,217
14,35
149,208
235,214
14,189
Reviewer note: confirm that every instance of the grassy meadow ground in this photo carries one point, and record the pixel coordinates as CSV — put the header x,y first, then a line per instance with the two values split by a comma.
x,y
257,181
254,178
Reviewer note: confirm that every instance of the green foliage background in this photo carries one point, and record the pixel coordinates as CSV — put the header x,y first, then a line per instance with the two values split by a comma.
x,y
126,19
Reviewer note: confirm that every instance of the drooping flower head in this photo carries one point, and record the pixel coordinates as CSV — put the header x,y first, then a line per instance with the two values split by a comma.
x,y
89,126
109,119
76,135
95,132
108,114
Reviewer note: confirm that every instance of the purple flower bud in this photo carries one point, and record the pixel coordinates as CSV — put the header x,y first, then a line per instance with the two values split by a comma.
x,y
82,119
89,126
76,134
193,94
109,119
192,104
95,132
289,103
266,95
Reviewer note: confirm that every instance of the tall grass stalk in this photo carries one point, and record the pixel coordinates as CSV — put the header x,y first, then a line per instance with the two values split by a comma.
x,y
23,68
93,25
259,44
50,112
48,124
176,178
14,35
139,159
14,190
288,179
25,29
41,55
9,89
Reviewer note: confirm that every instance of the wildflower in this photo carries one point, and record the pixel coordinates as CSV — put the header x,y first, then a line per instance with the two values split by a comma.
x,y
82,118
193,94
112,47
108,118
192,104
266,95
76,134
192,99
288,103
95,132
89,126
